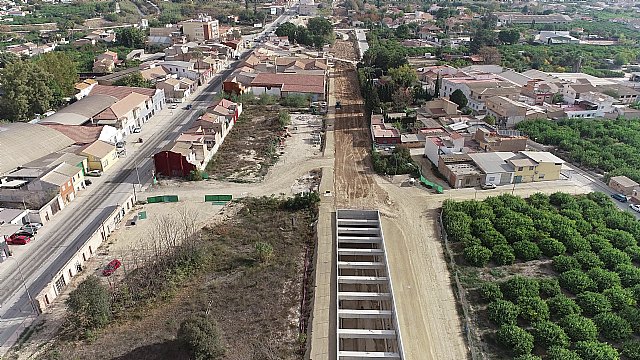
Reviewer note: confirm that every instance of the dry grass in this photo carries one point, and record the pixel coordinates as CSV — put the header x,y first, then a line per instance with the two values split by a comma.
x,y
250,148
257,305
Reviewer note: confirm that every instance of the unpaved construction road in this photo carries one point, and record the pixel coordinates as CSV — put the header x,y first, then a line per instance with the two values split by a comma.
x,y
427,314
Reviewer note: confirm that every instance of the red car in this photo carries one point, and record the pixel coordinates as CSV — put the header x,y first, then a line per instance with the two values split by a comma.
x,y
19,239
111,267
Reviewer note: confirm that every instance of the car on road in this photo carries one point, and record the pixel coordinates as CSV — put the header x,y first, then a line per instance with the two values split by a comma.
x,y
120,144
635,207
111,267
488,186
136,130
94,173
188,107
619,197
19,239
87,182
173,106
31,226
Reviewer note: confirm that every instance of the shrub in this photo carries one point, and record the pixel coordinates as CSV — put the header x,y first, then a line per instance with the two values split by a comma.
x,y
576,244
503,312
520,286
89,305
619,297
576,281
515,339
284,119
533,309
301,201
561,306
195,175
629,275
612,327
200,335
593,303
633,252
264,251
549,287
579,328
588,260
564,263
477,255
632,315
526,250
613,258
527,357
631,350
604,278
595,350
598,242
503,254
548,334
490,291
551,247
559,353
297,101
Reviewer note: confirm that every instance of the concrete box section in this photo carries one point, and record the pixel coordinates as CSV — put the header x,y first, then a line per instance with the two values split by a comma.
x,y
367,324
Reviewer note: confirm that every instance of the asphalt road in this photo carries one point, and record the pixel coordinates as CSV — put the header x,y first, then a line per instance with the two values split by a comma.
x,y
56,244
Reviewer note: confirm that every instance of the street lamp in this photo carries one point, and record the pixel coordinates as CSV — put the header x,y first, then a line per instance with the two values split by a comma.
x,y
24,283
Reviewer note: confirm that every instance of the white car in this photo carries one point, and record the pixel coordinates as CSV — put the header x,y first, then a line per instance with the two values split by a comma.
x,y
94,173
488,186
635,207
33,227
173,106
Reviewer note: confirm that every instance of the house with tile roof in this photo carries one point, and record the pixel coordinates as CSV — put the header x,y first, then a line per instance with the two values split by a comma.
x,y
126,114
156,98
100,155
283,84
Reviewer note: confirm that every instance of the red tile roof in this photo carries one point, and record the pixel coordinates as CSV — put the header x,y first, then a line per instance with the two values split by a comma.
x,y
291,82
81,135
120,92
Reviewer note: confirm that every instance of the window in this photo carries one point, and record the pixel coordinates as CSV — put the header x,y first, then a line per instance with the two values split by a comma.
x,y
492,178
519,168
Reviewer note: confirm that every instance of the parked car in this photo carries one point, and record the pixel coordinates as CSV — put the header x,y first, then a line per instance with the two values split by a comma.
x,y
488,186
19,239
173,106
111,267
120,144
27,231
619,197
31,226
87,182
94,173
635,207
136,130
188,107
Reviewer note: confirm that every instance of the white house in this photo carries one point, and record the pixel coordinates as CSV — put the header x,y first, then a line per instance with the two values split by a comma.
x,y
435,146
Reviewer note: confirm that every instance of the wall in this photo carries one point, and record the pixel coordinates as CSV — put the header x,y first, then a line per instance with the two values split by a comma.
x,y
77,262
259,90
168,163
628,191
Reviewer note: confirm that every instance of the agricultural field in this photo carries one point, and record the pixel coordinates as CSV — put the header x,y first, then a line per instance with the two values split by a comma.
x,y
548,277
607,146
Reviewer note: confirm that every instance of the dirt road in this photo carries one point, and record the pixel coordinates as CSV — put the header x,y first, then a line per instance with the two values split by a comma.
x,y
427,315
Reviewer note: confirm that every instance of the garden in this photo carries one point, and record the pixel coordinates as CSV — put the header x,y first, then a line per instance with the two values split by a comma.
x,y
548,277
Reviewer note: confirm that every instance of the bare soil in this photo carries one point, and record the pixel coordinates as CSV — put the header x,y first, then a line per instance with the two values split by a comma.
x,y
258,306
251,147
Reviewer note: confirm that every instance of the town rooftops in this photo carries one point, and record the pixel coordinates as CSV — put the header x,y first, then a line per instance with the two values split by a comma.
x,y
624,181
492,162
120,92
99,149
81,135
291,82
85,108
542,156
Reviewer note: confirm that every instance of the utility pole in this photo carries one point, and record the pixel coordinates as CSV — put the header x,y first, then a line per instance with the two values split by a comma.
x,y
26,288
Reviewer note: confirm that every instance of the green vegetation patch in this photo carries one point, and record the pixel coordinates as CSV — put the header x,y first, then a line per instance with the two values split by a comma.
x,y
560,302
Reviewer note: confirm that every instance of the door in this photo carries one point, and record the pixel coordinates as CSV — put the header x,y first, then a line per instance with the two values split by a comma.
x,y
517,179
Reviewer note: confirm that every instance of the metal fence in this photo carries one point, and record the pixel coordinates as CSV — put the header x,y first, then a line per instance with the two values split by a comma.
x,y
473,343
162,198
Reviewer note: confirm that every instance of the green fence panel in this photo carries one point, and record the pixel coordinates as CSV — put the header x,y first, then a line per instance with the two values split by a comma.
x,y
220,198
171,198
431,185
142,215
154,199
